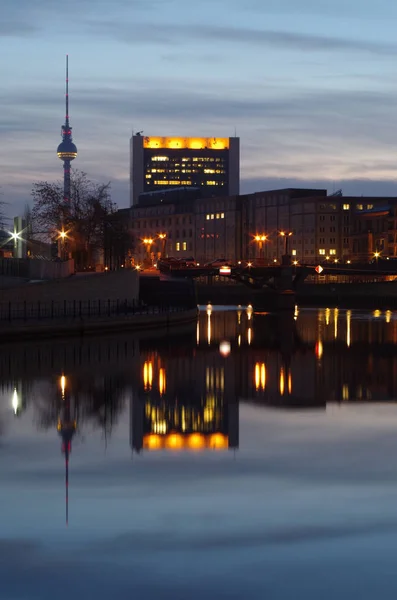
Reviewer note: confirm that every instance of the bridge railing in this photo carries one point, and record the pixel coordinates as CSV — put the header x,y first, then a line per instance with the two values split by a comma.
x,y
78,309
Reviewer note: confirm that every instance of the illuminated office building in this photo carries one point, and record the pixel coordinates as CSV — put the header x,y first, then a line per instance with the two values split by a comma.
x,y
210,165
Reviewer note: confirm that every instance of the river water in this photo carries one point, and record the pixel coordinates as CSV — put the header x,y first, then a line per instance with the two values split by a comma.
x,y
248,456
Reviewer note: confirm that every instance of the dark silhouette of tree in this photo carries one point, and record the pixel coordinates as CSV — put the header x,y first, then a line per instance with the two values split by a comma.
x,y
83,218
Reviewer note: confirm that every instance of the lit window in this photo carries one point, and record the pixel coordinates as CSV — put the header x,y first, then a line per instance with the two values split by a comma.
x,y
370,206
160,158
321,251
359,207
222,215
293,252
208,217
212,216
184,246
217,215
332,251
177,246
346,206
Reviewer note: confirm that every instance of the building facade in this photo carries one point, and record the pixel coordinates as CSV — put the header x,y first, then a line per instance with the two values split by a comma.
x,y
159,163
311,226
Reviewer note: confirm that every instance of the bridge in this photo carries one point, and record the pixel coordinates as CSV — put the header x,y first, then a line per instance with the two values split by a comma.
x,y
271,276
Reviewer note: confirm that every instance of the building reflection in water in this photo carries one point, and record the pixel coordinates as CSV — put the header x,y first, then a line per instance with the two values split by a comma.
x,y
186,389
178,411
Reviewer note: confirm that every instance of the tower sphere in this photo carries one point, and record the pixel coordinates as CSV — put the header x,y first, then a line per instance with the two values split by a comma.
x,y
67,150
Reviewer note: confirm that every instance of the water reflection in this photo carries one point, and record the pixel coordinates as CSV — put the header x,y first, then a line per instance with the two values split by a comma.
x,y
187,386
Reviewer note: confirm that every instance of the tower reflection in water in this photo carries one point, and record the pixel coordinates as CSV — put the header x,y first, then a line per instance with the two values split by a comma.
x,y
66,426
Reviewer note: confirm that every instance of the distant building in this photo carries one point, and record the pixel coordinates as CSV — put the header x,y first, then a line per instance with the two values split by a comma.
x,y
321,227
159,163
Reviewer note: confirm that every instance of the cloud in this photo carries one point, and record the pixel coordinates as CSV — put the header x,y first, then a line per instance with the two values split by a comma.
x,y
177,35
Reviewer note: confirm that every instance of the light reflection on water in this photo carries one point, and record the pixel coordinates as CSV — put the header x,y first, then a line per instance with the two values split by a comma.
x,y
248,433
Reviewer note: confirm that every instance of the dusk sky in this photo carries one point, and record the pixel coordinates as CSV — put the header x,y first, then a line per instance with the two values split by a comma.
x,y
309,86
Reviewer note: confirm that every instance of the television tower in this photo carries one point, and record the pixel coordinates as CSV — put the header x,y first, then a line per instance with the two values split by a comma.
x,y
67,151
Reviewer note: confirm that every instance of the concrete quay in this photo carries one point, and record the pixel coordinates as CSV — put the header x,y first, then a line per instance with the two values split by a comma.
x,y
160,321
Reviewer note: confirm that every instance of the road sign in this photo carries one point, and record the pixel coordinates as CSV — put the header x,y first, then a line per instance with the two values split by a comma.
x,y
319,269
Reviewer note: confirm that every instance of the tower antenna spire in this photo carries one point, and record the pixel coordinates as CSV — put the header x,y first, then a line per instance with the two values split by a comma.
x,y
67,90
67,151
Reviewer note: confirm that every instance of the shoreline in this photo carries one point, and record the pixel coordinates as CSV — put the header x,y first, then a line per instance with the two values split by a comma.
x,y
79,327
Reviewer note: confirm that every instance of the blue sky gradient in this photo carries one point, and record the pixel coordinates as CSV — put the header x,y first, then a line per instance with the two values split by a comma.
x,y
310,87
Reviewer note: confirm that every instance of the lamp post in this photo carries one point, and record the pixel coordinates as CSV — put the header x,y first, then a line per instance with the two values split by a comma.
x,y
260,239
376,256
62,235
148,244
286,235
163,238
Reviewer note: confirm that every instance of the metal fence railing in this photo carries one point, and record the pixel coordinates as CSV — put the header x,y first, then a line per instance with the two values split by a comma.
x,y
77,309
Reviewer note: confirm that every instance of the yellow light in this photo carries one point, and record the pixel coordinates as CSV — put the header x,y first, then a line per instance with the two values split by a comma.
x,y
290,383
249,264
218,441
349,262
377,314
249,312
63,385
147,375
196,441
348,327
186,143
376,254
162,236
174,441
209,309
327,315
162,381
208,414
388,316
282,381
257,376
336,315
138,267
148,241
260,376
249,336
319,349
260,238
295,262
152,442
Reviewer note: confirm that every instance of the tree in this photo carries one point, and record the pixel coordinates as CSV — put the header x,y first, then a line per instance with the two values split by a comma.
x,y
83,218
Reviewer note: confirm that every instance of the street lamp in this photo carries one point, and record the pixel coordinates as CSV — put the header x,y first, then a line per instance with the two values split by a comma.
x,y
148,243
286,235
163,238
62,236
260,239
